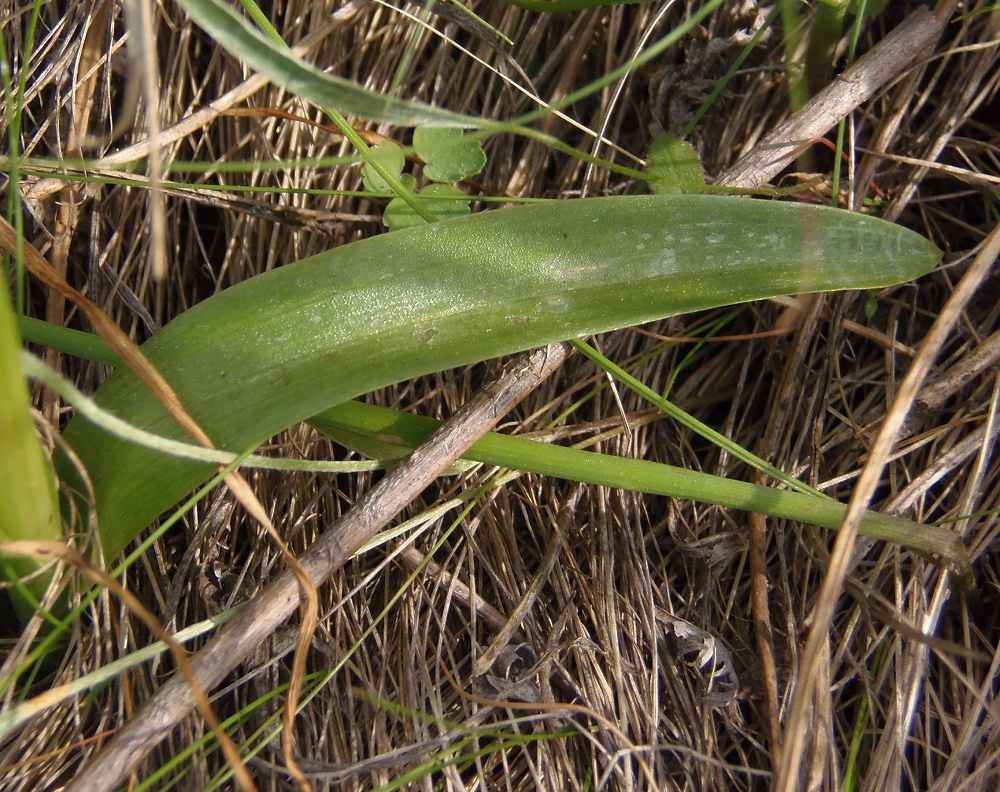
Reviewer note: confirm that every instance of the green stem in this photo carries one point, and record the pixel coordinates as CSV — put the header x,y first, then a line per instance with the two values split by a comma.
x,y
354,418
690,421
827,28
354,423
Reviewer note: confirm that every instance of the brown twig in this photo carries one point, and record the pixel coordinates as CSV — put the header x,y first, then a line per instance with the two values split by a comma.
x,y
892,56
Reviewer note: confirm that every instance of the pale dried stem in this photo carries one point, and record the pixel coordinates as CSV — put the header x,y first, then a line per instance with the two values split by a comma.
x,y
200,118
892,56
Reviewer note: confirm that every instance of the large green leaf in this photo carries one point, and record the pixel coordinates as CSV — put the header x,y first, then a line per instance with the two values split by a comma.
x,y
288,344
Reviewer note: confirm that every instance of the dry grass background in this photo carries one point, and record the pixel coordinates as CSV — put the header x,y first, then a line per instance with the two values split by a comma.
x,y
603,570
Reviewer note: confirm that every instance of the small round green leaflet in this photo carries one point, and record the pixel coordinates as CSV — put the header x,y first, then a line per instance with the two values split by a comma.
x,y
674,167
443,201
449,154
290,343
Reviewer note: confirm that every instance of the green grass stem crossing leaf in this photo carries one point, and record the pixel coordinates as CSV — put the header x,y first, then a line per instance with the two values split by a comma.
x,y
274,60
444,201
359,423
392,158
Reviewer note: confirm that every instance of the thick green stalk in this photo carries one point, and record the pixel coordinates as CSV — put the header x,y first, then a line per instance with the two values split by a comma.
x,y
28,504
355,423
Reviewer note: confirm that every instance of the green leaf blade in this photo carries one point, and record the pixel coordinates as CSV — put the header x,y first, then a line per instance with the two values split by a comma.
x,y
288,344
28,504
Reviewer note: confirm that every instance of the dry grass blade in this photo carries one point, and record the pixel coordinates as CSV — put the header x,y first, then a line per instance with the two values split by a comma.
x,y
137,361
787,777
893,56
126,348
53,551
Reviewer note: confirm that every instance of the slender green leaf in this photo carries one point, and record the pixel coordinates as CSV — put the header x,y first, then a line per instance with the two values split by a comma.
x,y
250,45
64,339
354,420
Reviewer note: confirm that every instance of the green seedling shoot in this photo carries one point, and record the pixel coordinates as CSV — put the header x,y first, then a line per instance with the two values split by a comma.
x,y
449,156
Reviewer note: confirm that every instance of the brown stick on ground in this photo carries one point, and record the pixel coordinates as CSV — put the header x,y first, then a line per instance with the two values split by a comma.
x,y
893,56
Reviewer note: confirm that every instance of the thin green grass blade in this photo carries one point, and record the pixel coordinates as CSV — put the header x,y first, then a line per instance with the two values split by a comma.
x,y
73,342
291,343
690,421
18,715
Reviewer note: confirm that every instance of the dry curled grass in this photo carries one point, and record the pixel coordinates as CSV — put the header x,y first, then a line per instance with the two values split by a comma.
x,y
591,577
